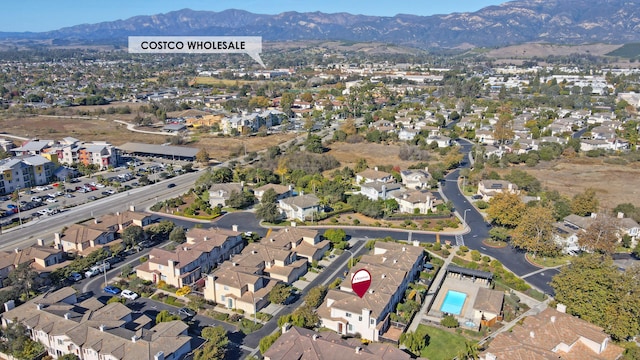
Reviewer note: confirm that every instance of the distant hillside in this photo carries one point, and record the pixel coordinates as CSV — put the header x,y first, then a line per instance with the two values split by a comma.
x,y
551,21
628,51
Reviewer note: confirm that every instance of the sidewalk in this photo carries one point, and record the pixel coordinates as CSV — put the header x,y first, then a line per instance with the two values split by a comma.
x,y
431,293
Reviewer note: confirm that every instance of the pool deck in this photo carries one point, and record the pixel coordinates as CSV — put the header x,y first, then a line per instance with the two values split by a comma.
x,y
461,284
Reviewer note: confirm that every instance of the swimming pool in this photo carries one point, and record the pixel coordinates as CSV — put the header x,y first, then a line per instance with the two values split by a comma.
x,y
453,302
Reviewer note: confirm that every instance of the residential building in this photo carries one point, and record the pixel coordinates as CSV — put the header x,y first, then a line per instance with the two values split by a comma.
x,y
73,151
219,193
32,147
299,343
94,331
83,239
282,191
416,201
302,207
24,172
552,334
490,188
415,179
392,267
441,140
371,175
378,190
204,250
307,243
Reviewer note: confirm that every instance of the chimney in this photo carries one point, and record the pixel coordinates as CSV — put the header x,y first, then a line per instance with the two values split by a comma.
x,y
532,334
301,192
95,221
561,308
490,356
56,237
375,168
67,316
40,242
426,169
294,224
620,215
132,208
416,243
159,356
117,213
102,327
315,337
358,349
383,276
38,306
206,238
254,252
134,338
234,263
285,327
553,319
10,305
16,250
234,227
286,229
404,248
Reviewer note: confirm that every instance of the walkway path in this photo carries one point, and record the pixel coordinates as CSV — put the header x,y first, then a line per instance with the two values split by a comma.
x,y
428,299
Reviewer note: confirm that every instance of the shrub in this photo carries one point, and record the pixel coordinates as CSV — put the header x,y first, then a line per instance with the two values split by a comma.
x,y
475,255
183,291
449,321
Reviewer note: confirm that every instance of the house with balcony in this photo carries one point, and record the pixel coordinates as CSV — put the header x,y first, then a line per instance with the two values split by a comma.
x,y
379,190
24,172
94,331
83,239
307,243
416,201
415,178
371,175
392,267
490,188
302,207
552,334
204,250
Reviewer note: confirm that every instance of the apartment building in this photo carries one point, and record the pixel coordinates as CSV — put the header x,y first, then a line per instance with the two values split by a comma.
x,y
24,172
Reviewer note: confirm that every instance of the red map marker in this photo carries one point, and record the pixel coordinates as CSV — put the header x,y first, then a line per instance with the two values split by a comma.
x,y
360,282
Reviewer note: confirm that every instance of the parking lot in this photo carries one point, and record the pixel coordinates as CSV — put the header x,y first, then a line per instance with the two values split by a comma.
x,y
48,200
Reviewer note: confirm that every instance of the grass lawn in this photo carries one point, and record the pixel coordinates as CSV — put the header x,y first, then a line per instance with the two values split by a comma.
x,y
443,345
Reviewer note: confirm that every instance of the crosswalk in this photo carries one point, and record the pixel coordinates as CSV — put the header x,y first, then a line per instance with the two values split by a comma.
x,y
459,240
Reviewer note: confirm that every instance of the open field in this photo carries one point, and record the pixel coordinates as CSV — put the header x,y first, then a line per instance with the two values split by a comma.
x,y
53,128
614,184
375,154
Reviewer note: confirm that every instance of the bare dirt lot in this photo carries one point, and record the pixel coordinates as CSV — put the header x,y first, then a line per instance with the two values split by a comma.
x,y
614,184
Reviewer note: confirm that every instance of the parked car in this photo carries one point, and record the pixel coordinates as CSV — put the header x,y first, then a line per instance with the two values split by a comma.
x,y
51,200
92,198
92,272
112,290
186,312
75,276
128,294
172,185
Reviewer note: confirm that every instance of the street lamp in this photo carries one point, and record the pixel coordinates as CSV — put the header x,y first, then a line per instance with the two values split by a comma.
x,y
255,311
464,217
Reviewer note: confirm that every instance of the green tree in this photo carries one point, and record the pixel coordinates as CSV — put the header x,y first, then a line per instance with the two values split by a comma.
x,y
132,235
24,278
415,341
115,299
335,235
216,346
313,144
593,289
178,235
280,293
240,200
583,204
268,212
202,157
449,321
69,357
267,341
269,196
506,209
166,316
534,232
315,296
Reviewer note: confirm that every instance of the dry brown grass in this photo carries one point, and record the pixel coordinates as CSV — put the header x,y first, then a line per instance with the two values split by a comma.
x,y
375,154
614,184
219,148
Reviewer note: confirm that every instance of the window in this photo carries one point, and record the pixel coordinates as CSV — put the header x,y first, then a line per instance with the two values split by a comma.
x,y
350,328
372,321
347,315
60,342
359,318
222,297
226,287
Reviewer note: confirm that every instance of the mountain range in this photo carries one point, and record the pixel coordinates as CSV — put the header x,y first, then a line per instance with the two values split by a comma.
x,y
568,22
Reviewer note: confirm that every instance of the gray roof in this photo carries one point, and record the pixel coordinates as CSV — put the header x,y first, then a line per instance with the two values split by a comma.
x,y
470,272
166,150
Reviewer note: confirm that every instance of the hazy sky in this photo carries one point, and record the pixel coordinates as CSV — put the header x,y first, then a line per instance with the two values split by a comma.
x,y
44,15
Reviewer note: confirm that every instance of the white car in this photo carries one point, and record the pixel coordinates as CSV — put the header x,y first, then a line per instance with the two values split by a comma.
x,y
99,185
128,294
51,200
